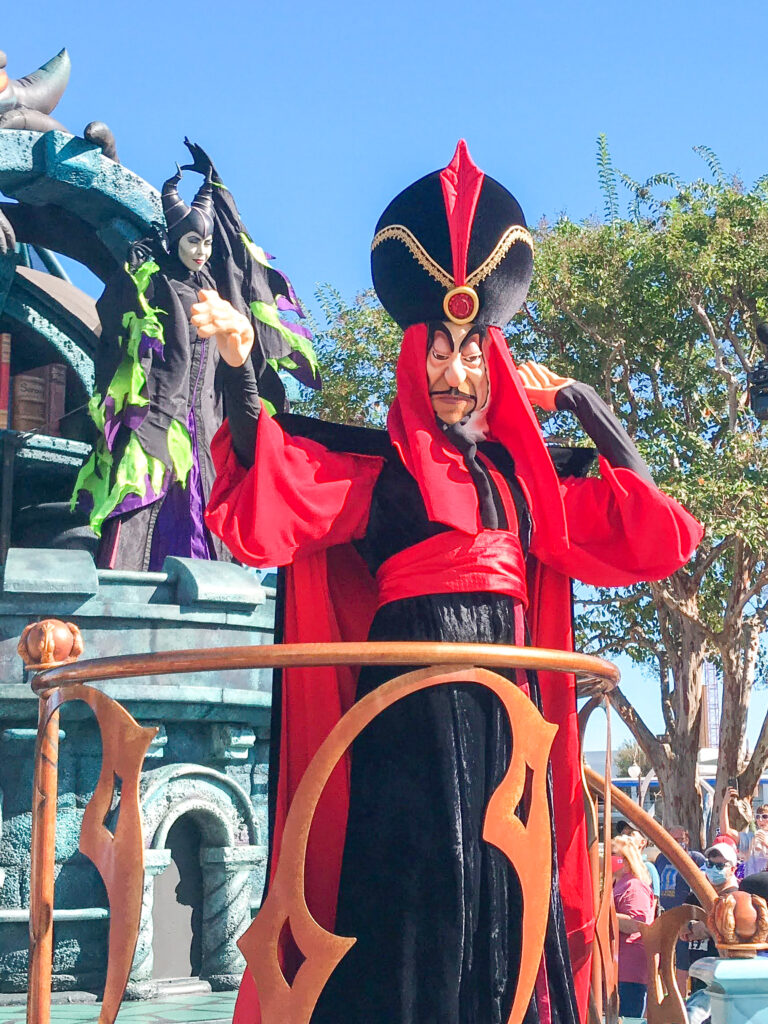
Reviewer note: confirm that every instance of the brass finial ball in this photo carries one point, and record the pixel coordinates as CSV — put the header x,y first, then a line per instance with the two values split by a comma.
x,y
50,643
739,924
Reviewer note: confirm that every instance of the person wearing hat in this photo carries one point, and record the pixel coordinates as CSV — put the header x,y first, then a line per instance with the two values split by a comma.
x,y
158,396
720,868
458,523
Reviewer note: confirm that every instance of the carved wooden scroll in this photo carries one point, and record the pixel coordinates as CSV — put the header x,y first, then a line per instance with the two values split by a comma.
x,y
665,1004
527,847
738,923
118,856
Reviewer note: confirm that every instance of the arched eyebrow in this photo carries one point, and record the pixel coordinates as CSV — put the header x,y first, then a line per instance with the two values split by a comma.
x,y
476,334
436,327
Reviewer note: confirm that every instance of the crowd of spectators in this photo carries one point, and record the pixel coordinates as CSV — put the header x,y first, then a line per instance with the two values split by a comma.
x,y
645,886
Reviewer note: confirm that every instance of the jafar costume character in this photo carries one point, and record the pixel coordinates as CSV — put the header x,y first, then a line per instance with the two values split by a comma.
x,y
158,398
457,524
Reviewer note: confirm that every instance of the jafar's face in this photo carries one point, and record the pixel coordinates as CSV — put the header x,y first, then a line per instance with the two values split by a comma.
x,y
456,371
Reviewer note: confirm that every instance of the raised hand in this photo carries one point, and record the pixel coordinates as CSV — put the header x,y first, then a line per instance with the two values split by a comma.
x,y
201,162
214,317
541,384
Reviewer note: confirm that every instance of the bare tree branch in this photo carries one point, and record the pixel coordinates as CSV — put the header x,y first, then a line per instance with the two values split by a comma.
x,y
760,583
731,335
759,759
666,596
702,564
652,747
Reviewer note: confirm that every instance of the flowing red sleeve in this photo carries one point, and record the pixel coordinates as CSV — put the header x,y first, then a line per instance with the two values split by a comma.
x,y
297,498
621,530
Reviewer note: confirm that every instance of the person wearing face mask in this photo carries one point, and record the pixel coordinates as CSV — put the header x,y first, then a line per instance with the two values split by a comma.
x,y
720,869
158,397
674,891
634,901
458,523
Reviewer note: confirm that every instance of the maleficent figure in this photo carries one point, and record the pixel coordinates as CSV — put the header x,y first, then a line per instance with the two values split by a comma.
x,y
158,399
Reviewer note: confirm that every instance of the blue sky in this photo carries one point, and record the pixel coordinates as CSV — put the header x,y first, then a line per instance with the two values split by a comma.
x,y
317,114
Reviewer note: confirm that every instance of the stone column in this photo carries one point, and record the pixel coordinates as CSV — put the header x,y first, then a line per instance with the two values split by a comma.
x,y
226,910
140,983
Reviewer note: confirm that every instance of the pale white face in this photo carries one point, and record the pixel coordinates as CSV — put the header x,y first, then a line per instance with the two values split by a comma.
x,y
456,374
194,250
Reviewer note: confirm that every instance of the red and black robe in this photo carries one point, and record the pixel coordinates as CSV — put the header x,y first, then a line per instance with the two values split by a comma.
x,y
426,535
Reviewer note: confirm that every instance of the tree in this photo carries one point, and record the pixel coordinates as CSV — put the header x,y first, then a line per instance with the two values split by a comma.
x,y
357,350
658,309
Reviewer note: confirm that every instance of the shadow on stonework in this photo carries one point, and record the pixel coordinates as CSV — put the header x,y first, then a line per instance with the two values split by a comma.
x,y
203,866
177,915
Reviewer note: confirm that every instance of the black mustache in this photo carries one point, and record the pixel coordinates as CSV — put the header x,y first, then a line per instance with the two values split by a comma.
x,y
456,393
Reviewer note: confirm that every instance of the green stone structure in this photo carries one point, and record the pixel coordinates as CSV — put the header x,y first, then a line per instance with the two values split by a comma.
x,y
204,785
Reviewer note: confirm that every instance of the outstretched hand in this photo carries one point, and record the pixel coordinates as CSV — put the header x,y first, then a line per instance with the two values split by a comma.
x,y
214,317
201,162
541,384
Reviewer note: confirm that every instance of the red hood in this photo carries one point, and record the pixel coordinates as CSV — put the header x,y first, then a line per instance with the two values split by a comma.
x,y
438,467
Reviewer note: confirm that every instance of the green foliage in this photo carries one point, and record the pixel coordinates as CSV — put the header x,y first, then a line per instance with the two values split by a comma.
x,y
607,177
357,351
659,314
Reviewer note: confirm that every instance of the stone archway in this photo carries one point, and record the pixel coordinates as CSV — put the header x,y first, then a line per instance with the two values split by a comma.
x,y
230,854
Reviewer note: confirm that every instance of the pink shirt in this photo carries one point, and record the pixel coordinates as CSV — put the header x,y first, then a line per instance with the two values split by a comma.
x,y
636,899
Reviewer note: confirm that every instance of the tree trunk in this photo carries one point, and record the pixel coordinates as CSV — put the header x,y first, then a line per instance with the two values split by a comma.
x,y
686,653
678,779
738,643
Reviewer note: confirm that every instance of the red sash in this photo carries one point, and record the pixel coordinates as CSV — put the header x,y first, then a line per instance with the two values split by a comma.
x,y
454,563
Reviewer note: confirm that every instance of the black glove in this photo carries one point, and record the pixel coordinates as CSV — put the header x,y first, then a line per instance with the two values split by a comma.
x,y
151,247
201,162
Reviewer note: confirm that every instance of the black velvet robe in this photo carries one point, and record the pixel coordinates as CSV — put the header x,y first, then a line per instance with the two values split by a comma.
x,y
435,910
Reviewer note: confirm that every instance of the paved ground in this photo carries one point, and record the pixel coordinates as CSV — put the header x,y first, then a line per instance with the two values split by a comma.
x,y
216,1008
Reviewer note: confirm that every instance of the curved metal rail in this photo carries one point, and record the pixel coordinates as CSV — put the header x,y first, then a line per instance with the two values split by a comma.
x,y
593,673
659,836
58,675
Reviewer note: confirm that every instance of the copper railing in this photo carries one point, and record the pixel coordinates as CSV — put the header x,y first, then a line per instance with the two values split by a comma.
x,y
665,1003
51,649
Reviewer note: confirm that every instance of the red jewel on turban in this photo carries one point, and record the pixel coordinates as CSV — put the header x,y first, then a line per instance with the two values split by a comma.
x,y
461,304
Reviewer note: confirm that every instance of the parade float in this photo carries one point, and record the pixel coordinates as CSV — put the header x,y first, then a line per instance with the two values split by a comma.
x,y
135,821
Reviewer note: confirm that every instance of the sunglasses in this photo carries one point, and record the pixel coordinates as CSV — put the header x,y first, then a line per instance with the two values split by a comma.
x,y
716,863
762,814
